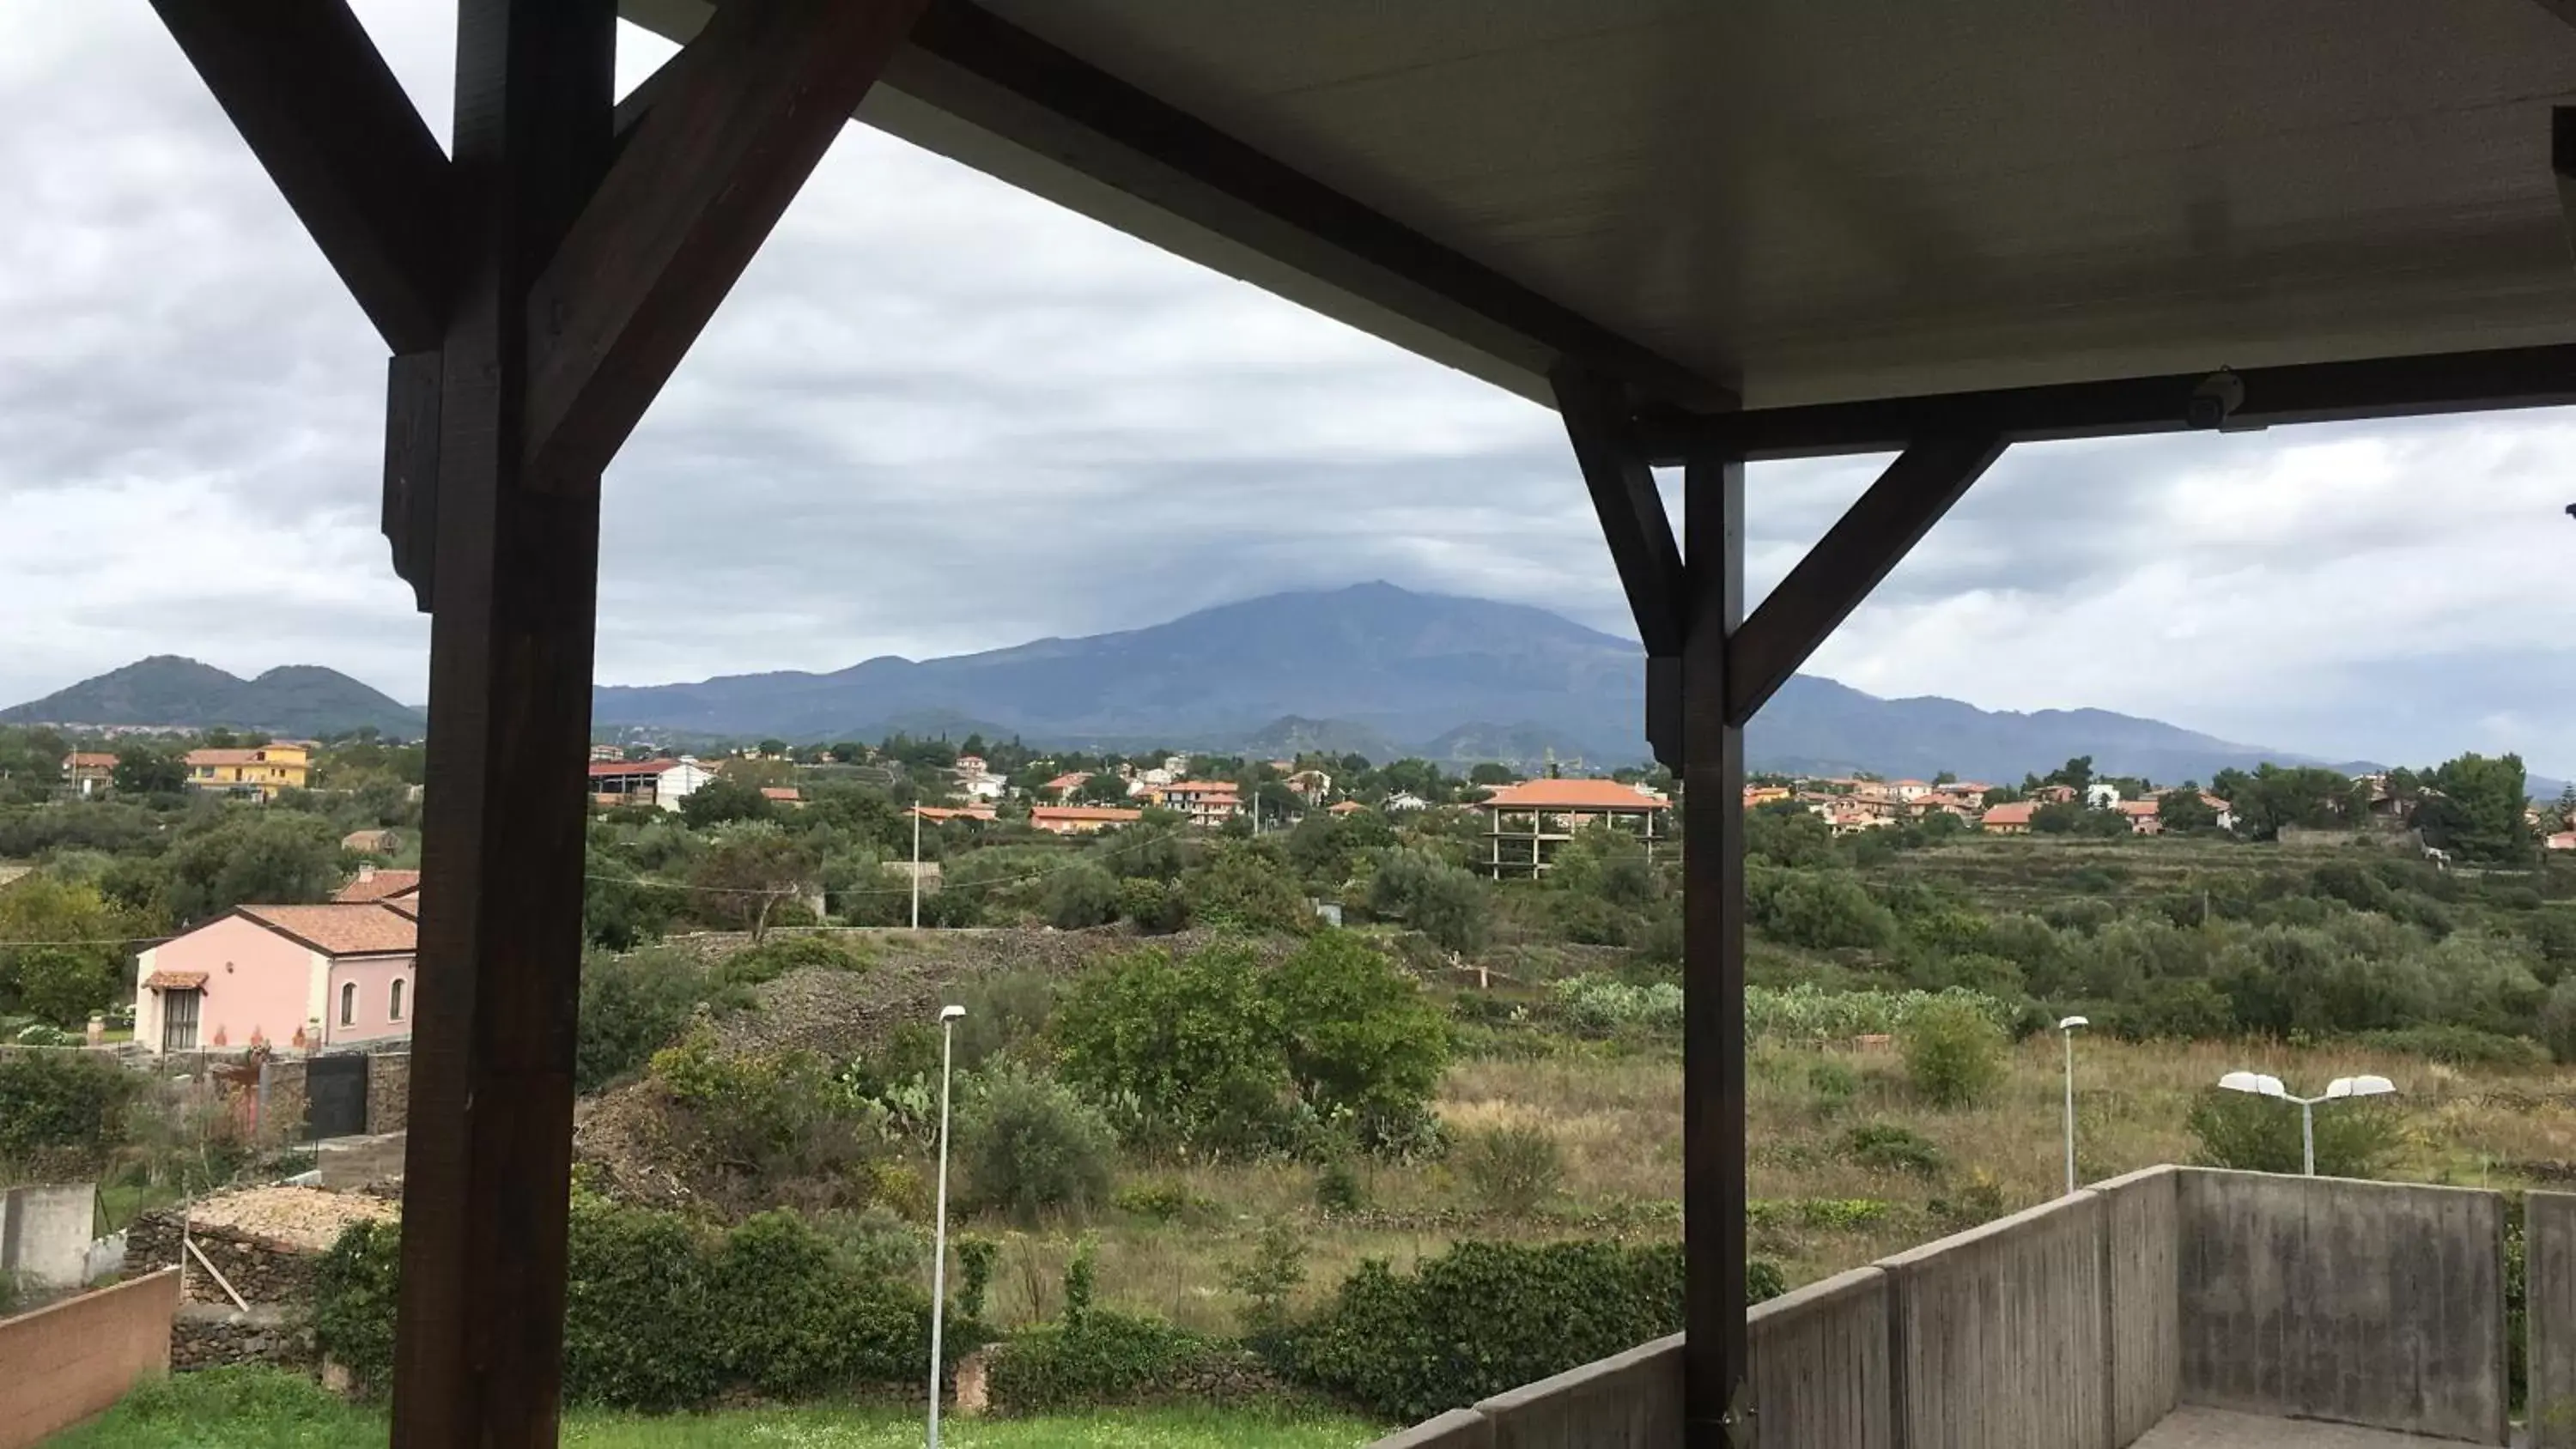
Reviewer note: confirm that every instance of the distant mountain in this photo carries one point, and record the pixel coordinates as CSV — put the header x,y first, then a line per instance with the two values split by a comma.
x,y
1379,671
293,699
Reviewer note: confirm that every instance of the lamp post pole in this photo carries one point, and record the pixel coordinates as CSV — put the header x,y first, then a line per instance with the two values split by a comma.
x,y
2067,1028
2261,1085
948,1016
916,871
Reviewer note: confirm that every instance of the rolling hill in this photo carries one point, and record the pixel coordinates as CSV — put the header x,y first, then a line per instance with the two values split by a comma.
x,y
293,699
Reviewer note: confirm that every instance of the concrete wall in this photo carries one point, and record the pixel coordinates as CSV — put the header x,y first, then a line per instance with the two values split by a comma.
x,y
1999,1336
2549,1278
1631,1400
2365,1303
2143,1317
1818,1363
45,1232
63,1363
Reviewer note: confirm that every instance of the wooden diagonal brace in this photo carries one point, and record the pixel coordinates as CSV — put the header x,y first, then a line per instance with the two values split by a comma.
x,y
742,118
306,88
1640,537
1869,540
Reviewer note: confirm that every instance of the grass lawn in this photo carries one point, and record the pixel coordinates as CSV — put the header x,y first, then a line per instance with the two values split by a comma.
x,y
264,1409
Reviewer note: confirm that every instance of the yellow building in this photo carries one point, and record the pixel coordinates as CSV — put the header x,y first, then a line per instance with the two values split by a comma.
x,y
262,771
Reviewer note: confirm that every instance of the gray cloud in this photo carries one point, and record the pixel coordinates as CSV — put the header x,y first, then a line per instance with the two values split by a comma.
x,y
939,415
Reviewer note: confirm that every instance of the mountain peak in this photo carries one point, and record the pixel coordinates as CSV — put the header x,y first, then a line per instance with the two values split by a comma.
x,y
168,689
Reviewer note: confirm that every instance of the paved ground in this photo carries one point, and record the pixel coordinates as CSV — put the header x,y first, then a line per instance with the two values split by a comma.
x,y
2189,1428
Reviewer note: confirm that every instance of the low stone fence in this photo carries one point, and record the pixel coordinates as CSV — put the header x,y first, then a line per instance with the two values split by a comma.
x,y
210,1335
262,1270
72,1359
2081,1323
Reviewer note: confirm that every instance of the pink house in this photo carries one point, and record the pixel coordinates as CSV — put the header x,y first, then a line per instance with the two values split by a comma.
x,y
297,978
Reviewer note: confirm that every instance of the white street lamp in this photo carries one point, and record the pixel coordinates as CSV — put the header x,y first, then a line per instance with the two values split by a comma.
x,y
2262,1085
948,1017
916,900
2067,1026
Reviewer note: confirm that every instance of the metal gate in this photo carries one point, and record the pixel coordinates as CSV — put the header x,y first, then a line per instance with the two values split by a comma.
x,y
335,1096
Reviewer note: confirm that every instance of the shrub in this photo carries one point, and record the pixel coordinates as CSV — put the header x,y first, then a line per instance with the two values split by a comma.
x,y
662,1314
1167,1200
63,1105
1978,1200
2259,1134
1079,896
2558,1020
1512,1170
1106,1357
780,955
355,1285
631,1007
1338,1188
1600,1006
1155,906
1833,1085
1026,1142
1822,910
1361,1044
1762,1280
1887,1145
1431,895
770,1123
1807,1012
1184,1047
1265,1279
1407,1348
1954,1056
1242,887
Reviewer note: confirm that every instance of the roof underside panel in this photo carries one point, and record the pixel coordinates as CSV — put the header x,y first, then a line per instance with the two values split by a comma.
x,y
1816,203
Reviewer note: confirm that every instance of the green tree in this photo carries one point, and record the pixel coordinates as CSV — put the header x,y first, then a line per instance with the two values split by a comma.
x,y
2475,807
253,856
2184,812
1188,1047
1247,888
143,769
1362,1044
1079,895
722,800
751,874
1025,1143
1486,772
1445,902
77,968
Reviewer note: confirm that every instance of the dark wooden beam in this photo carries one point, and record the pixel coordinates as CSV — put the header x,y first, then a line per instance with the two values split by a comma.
x,y
2454,382
993,75
1595,409
1713,959
306,88
750,106
1879,529
487,1169
2562,163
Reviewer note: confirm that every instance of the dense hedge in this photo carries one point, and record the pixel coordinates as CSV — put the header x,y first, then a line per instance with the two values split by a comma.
x,y
1106,1357
1485,1317
62,1102
663,1314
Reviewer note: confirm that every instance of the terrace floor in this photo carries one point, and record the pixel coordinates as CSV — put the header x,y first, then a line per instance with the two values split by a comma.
x,y
2196,1428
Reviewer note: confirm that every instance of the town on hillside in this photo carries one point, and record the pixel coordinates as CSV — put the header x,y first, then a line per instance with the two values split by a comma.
x,y
1214,1027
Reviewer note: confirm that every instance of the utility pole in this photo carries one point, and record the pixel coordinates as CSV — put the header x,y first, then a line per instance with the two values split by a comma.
x,y
916,865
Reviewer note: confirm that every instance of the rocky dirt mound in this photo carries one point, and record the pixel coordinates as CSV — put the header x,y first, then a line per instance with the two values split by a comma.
x,y
911,974
300,1217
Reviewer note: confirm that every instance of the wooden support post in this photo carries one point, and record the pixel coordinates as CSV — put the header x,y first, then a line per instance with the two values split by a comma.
x,y
479,1341
1713,957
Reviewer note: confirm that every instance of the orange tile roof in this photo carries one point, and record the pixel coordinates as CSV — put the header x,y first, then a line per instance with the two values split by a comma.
x,y
1072,780
368,929
942,812
2148,806
377,887
1346,807
257,756
88,760
617,768
781,792
1109,813
2017,812
175,980
1572,795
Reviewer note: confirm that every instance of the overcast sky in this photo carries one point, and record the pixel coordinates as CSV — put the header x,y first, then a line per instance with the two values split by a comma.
x,y
938,415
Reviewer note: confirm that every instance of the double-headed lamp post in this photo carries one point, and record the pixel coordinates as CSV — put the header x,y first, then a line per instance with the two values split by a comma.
x,y
948,1018
2066,1026
2262,1085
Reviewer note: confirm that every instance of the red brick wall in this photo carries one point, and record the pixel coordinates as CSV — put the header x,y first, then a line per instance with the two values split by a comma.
x,y
72,1359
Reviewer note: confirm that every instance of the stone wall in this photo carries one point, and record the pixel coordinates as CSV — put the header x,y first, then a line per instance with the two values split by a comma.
x,y
388,1091
208,1335
72,1359
264,1272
